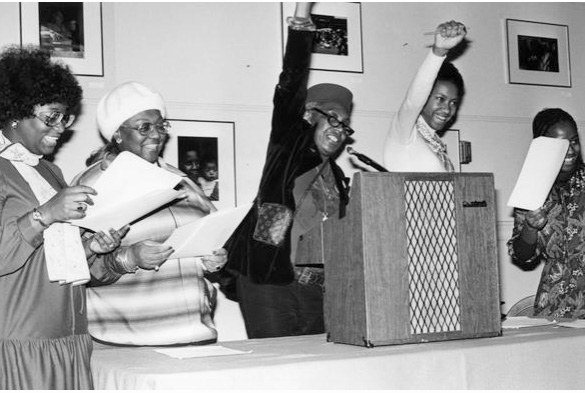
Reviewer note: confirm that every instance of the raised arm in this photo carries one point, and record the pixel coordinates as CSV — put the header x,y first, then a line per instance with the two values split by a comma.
x,y
291,91
447,36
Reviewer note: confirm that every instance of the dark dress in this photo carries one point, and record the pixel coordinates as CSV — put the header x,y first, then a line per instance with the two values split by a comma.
x,y
43,325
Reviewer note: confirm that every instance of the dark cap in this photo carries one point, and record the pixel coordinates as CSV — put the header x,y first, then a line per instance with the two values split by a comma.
x,y
329,92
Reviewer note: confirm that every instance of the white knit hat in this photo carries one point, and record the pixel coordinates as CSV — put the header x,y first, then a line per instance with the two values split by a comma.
x,y
123,102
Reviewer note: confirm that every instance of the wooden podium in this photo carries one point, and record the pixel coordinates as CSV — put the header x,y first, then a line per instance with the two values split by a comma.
x,y
414,260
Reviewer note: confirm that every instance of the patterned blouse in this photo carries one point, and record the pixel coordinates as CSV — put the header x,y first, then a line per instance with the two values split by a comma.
x,y
561,246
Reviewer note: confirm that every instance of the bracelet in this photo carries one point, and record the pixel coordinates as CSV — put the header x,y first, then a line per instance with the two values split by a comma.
x,y
535,229
124,262
301,24
38,217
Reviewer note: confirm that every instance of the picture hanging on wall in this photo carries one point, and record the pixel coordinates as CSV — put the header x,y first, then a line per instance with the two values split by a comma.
x,y
538,53
205,151
338,41
72,32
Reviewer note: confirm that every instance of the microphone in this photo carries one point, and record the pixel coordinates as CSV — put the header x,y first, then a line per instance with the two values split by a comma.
x,y
366,160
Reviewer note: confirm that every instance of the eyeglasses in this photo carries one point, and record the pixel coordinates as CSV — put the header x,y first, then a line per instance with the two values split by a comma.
x,y
336,123
146,129
53,119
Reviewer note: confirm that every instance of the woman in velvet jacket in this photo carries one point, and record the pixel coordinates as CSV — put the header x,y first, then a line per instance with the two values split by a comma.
x,y
303,139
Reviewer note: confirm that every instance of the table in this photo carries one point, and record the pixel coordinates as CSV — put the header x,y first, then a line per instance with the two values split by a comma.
x,y
528,358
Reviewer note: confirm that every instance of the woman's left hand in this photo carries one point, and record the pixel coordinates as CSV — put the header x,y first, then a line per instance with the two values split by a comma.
x,y
215,262
102,242
447,36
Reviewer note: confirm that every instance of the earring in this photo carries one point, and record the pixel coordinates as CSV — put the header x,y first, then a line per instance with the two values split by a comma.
x,y
14,124
308,116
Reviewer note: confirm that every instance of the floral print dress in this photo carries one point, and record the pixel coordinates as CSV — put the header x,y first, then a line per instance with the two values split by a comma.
x,y
561,246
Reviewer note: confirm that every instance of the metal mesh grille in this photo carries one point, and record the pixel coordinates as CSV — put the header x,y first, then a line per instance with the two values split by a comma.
x,y
432,257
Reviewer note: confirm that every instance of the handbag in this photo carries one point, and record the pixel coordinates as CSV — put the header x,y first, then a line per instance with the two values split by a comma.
x,y
274,219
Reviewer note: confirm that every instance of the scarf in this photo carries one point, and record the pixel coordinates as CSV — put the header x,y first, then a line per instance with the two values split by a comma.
x,y
434,143
64,253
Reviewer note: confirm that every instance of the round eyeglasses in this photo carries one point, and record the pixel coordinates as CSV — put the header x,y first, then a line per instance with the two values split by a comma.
x,y
146,129
335,122
53,119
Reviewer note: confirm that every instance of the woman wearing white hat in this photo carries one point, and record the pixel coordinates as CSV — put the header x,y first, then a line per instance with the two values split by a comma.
x,y
156,301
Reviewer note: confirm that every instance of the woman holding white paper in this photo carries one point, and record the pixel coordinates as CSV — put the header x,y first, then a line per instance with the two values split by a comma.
x,y
555,233
43,260
156,301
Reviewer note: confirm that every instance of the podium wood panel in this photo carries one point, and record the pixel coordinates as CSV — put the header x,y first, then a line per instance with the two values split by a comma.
x,y
369,298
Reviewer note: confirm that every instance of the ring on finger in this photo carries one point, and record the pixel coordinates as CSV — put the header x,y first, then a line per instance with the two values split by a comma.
x,y
156,268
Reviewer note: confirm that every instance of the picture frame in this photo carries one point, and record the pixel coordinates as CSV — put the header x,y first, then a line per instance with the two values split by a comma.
x,y
338,44
538,53
72,32
213,141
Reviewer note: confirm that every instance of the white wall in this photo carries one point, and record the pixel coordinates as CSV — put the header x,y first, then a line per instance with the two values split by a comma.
x,y
220,61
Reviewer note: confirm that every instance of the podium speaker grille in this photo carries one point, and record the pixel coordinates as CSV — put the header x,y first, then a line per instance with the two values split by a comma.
x,y
432,257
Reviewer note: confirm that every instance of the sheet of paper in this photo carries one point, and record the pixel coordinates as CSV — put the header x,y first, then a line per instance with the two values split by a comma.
x,y
116,215
576,324
202,351
207,234
128,189
541,167
522,321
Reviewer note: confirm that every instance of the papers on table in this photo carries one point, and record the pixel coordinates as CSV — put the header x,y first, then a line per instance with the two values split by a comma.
x,y
541,167
128,189
199,351
207,234
523,321
576,324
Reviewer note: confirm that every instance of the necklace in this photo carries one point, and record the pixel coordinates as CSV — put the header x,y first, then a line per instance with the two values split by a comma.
x,y
324,194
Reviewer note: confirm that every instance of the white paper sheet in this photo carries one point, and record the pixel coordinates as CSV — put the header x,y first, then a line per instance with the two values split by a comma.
x,y
128,189
541,167
202,351
523,321
576,324
207,234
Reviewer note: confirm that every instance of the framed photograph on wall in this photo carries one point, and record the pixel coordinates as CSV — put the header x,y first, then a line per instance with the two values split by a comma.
x,y
338,41
72,32
538,53
205,150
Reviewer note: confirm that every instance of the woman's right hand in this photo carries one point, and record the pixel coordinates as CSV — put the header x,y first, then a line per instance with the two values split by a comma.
x,y
149,254
69,203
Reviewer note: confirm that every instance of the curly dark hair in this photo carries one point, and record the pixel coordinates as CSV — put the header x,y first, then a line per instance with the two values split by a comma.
x,y
547,118
28,77
449,73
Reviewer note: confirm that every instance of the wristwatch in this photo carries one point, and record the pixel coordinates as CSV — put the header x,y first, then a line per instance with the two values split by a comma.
x,y
38,216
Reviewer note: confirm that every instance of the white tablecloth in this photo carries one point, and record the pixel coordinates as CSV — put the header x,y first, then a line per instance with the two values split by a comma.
x,y
529,358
